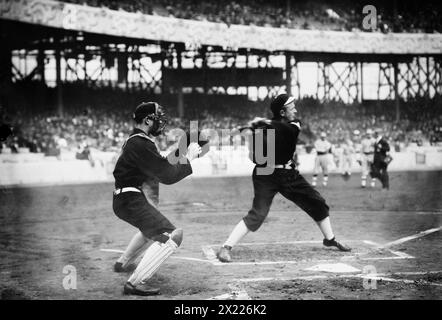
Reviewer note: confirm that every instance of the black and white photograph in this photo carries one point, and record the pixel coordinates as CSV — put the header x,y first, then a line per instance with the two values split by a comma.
x,y
216,151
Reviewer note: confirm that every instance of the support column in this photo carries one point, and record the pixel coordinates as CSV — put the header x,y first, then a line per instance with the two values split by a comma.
x,y
396,91
123,70
288,73
361,67
162,68
379,80
5,74
438,75
355,76
204,68
180,96
60,106
297,82
247,72
41,65
428,76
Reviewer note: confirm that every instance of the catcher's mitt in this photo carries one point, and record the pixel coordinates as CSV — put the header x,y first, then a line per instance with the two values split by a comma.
x,y
185,141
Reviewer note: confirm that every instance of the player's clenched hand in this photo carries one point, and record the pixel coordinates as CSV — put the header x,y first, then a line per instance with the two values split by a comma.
x,y
193,150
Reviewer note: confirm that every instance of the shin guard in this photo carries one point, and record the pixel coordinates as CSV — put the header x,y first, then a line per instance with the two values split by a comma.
x,y
154,257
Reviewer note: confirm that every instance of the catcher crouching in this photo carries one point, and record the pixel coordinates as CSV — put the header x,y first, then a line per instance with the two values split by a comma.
x,y
140,163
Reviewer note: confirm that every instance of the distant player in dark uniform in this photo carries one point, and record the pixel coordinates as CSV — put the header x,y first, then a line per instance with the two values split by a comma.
x,y
285,179
140,163
381,159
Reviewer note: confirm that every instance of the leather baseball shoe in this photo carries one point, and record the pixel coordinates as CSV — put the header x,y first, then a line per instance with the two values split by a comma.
x,y
334,243
141,289
118,267
224,254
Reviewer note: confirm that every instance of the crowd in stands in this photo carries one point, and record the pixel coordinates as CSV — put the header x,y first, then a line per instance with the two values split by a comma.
x,y
101,120
420,123
404,16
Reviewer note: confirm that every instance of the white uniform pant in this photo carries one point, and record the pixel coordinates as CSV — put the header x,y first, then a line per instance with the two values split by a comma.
x,y
347,161
321,163
366,161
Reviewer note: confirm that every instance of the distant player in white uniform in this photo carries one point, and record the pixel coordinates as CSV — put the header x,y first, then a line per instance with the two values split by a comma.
x,y
347,157
323,149
367,152
357,146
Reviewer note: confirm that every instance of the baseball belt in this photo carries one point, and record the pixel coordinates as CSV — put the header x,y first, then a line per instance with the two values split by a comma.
x,y
288,165
127,189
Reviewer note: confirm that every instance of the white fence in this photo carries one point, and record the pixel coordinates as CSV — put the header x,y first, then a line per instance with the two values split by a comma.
x,y
34,169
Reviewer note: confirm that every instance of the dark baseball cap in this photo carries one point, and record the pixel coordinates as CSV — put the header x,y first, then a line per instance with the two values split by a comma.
x,y
144,109
279,102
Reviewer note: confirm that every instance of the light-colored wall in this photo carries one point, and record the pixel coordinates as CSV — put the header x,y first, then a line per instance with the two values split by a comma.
x,y
29,169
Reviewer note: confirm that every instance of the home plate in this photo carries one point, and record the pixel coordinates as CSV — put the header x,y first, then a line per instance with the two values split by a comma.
x,y
236,293
334,267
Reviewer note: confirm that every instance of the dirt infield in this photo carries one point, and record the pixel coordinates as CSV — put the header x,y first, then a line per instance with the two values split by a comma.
x,y
396,239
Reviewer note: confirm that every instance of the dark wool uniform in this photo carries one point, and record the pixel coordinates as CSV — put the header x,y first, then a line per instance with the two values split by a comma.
x,y
286,181
141,163
379,165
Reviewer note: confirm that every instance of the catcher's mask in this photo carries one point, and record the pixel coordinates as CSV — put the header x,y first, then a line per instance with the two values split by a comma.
x,y
151,111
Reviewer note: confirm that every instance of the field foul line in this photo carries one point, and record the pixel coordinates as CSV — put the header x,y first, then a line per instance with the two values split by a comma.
x,y
412,237
373,276
402,255
429,213
280,242
397,254
112,250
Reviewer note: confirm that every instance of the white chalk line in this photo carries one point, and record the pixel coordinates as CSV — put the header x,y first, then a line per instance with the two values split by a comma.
x,y
429,213
211,257
359,255
377,212
210,254
402,255
280,242
112,250
353,212
372,243
373,276
412,237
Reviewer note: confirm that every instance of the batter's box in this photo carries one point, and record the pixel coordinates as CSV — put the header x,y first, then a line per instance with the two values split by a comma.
x,y
297,252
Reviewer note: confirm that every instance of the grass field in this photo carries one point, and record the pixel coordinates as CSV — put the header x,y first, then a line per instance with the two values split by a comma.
x,y
396,234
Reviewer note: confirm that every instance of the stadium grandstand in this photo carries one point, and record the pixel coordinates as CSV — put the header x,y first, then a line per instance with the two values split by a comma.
x,y
396,16
57,103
